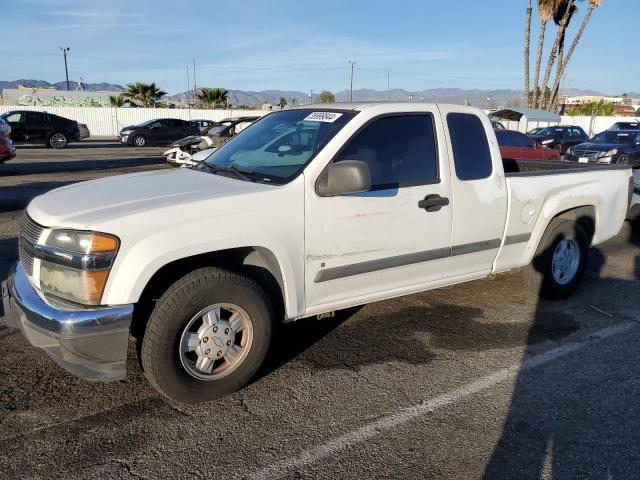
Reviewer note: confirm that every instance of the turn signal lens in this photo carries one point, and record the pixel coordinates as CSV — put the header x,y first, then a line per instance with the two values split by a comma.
x,y
81,286
83,242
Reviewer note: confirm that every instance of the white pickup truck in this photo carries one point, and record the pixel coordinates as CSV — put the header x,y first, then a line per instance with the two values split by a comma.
x,y
306,212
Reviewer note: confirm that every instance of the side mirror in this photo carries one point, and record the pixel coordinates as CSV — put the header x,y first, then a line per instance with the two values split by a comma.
x,y
348,176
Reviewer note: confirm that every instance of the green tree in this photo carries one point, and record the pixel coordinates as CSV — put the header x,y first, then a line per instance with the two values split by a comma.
x,y
212,97
146,93
283,102
601,108
120,101
327,97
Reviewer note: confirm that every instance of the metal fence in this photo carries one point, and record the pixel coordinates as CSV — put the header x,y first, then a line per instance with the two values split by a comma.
x,y
107,122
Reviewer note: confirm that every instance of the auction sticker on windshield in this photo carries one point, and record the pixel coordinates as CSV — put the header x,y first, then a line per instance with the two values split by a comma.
x,y
328,117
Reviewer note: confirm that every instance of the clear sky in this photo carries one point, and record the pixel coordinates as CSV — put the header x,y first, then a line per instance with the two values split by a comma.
x,y
303,45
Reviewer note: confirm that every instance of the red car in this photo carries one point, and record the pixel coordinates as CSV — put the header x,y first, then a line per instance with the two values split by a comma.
x,y
7,150
519,146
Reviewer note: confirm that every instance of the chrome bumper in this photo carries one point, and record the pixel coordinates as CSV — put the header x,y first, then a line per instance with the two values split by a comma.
x,y
91,343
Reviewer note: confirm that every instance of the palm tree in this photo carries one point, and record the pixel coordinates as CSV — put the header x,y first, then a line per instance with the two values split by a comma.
x,y
527,43
212,97
117,100
593,4
546,10
146,94
561,17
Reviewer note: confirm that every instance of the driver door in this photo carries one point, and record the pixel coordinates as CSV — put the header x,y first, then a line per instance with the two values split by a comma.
x,y
360,247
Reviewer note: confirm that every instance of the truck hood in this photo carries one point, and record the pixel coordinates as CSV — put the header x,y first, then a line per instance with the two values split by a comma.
x,y
86,204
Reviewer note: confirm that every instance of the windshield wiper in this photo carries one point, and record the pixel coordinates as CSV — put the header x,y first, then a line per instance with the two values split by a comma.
x,y
240,172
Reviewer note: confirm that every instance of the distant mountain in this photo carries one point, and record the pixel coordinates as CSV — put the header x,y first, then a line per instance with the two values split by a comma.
x,y
90,87
479,98
476,97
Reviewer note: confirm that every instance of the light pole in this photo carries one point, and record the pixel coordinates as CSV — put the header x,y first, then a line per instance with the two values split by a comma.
x,y
66,70
352,62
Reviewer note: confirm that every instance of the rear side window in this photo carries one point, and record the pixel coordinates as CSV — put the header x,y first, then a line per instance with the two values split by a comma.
x,y
35,117
400,151
522,140
471,154
504,139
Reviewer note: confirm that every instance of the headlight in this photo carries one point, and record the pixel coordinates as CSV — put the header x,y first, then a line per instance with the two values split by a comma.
x,y
126,132
610,153
75,265
547,142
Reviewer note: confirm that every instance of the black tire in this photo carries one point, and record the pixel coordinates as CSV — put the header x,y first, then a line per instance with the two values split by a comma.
x,y
539,275
58,140
139,141
191,294
623,159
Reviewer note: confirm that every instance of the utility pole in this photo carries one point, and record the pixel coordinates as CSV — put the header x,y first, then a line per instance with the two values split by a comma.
x,y
388,96
66,70
352,62
194,77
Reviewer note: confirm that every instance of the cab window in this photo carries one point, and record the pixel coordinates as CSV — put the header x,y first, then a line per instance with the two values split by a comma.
x,y
400,151
471,154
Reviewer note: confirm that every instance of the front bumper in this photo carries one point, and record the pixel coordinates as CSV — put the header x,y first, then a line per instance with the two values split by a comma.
x,y
90,343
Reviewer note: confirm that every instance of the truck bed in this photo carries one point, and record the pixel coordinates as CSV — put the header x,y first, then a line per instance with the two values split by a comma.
x,y
522,168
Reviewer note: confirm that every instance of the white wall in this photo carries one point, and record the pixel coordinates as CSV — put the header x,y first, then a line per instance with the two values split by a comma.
x,y
591,125
107,122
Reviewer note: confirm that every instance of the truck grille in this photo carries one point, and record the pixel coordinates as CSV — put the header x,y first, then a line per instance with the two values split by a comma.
x,y
29,231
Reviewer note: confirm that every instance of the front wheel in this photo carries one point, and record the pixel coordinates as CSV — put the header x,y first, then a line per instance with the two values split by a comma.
x,y
139,141
58,140
207,336
560,259
623,159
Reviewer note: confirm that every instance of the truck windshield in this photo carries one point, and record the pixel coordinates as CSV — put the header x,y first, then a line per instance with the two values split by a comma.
x,y
277,147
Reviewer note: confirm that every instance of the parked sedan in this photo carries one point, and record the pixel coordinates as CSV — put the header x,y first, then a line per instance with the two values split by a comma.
x,y
41,127
611,146
625,126
7,150
160,131
519,146
213,137
560,138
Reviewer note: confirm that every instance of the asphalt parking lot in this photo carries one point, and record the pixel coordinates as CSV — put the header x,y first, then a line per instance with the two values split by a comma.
x,y
476,380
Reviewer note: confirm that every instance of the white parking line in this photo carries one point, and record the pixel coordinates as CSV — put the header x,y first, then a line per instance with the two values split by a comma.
x,y
379,426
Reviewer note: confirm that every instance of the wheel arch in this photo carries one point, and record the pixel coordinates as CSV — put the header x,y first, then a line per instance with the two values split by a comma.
x,y
256,262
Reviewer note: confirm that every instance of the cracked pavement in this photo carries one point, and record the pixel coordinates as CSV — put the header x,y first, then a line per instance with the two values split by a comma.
x,y
576,416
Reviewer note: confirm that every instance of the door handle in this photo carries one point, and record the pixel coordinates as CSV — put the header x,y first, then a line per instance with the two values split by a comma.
x,y
433,203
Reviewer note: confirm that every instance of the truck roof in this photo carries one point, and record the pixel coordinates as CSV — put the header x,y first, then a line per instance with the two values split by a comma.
x,y
359,105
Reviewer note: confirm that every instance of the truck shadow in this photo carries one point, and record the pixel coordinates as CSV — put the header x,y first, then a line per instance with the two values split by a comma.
x,y
577,418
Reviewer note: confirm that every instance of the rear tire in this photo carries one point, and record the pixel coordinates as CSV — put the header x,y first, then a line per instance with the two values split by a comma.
x,y
623,159
177,353
58,140
559,262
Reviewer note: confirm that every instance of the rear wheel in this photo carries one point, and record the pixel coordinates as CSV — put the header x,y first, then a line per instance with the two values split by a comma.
x,y
58,140
207,336
559,262
623,159
139,141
